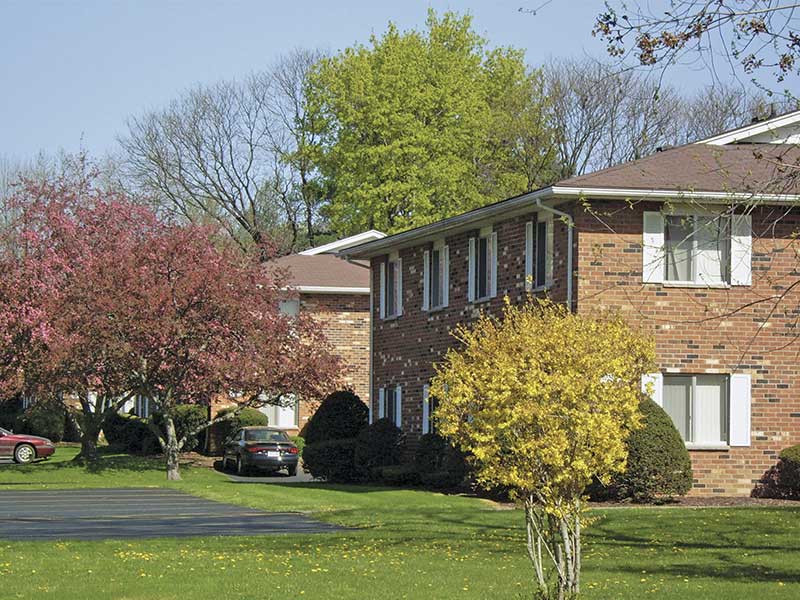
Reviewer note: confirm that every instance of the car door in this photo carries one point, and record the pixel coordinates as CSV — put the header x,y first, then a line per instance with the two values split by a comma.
x,y
6,446
232,444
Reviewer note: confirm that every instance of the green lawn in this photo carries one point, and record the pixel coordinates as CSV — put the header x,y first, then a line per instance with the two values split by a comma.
x,y
412,545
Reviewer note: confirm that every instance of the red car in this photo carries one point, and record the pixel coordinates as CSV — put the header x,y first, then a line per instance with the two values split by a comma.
x,y
24,449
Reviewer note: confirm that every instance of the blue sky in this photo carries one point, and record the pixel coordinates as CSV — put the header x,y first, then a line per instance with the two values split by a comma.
x,y
71,72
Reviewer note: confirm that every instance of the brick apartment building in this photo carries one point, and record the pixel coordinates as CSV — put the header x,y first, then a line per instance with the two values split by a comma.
x,y
696,245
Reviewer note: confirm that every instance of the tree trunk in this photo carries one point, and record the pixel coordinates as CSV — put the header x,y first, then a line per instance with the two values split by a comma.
x,y
171,450
90,433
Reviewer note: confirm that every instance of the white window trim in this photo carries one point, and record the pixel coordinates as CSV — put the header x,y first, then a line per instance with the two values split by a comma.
x,y
398,287
491,240
428,283
531,253
426,409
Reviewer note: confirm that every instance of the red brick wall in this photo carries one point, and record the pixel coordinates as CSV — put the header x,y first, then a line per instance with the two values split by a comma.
x,y
608,265
708,330
405,348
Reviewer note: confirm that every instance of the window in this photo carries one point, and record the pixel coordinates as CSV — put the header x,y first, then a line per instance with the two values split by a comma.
x,y
289,307
391,296
27,401
390,404
436,277
483,266
539,252
265,435
142,407
429,404
284,415
697,248
699,407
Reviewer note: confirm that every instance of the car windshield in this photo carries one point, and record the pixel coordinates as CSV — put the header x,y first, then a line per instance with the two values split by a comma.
x,y
4,432
265,435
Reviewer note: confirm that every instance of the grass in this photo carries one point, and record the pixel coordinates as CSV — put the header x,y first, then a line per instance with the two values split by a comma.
x,y
411,544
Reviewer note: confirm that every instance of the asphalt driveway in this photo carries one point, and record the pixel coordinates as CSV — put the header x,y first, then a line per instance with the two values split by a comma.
x,y
131,513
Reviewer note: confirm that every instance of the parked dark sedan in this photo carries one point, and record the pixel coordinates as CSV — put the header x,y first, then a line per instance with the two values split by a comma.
x,y
24,449
262,448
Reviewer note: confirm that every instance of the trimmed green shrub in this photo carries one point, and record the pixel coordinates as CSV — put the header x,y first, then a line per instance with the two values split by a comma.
x,y
340,416
300,442
188,417
789,471
379,445
400,475
9,411
130,433
333,461
247,417
437,460
45,419
658,462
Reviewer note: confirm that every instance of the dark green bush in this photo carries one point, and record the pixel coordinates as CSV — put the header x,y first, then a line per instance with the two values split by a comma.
x,y
342,415
379,445
45,419
333,460
9,411
435,455
400,475
129,433
440,480
658,462
187,417
789,471
247,417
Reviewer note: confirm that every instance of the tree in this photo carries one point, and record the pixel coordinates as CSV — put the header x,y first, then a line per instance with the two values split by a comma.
x,y
234,153
543,400
103,302
419,126
752,36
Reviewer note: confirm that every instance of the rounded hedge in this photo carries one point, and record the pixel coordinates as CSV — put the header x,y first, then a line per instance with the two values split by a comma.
x,y
45,419
789,471
439,464
658,462
247,417
332,460
379,445
130,434
341,415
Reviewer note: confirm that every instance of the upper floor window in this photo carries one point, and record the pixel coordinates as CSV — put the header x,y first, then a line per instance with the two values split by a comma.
x,y
483,266
436,277
391,292
697,249
539,252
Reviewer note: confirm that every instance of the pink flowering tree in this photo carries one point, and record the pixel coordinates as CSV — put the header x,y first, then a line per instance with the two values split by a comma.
x,y
104,302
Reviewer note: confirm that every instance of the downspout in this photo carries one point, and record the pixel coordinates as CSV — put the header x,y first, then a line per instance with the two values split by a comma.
x,y
570,227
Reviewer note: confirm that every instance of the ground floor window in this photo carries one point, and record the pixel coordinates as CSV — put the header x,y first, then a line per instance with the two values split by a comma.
x,y
141,407
699,407
390,404
286,416
429,404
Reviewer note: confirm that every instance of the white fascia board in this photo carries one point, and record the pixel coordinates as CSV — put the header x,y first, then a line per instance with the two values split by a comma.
x,y
324,289
749,131
672,195
353,240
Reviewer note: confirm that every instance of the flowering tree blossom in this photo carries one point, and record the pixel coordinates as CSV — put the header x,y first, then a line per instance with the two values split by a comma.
x,y
103,302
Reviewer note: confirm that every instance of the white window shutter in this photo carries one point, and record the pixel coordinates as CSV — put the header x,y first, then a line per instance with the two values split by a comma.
x,y
446,276
381,403
529,255
426,279
653,247
426,410
398,407
493,262
657,391
382,295
471,271
741,249
399,279
740,410
369,411
550,251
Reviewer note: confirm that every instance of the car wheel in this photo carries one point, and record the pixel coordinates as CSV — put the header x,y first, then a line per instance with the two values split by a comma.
x,y
24,454
292,471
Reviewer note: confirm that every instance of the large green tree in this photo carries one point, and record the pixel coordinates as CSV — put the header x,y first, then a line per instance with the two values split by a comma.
x,y
418,126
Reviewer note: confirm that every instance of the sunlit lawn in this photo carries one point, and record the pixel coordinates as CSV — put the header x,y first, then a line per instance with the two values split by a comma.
x,y
411,544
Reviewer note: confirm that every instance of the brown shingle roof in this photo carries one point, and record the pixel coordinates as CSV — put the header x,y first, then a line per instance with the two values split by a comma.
x,y
703,168
324,270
